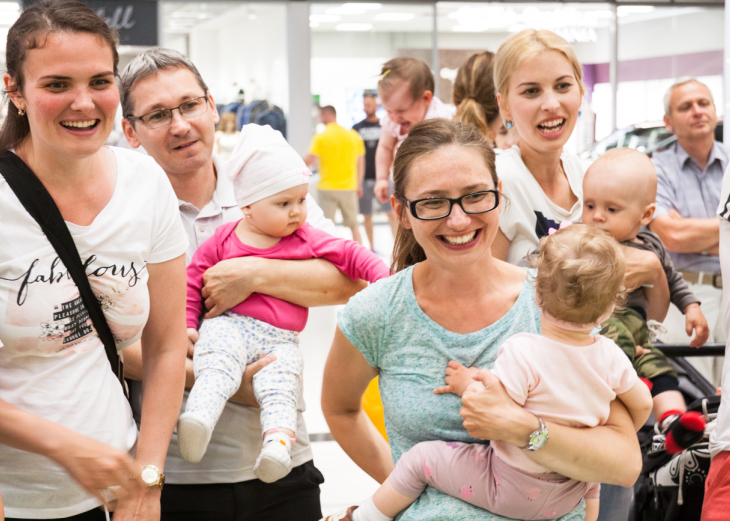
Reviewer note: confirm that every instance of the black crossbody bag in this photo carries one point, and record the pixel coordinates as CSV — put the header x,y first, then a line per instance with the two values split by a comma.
x,y
40,205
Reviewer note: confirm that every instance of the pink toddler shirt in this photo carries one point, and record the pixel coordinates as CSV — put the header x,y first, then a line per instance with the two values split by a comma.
x,y
306,243
561,383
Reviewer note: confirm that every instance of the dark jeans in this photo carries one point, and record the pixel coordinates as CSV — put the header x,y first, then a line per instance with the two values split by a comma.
x,y
295,497
615,503
92,515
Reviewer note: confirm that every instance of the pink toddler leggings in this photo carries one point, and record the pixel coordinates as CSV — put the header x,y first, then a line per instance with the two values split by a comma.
x,y
473,472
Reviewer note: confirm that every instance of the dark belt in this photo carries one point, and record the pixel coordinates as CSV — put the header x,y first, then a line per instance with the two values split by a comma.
x,y
703,277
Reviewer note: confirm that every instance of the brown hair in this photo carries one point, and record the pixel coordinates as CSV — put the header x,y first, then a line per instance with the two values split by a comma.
x,y
580,274
329,109
423,139
526,45
410,70
30,31
474,94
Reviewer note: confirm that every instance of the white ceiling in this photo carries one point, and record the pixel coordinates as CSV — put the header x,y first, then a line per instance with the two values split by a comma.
x,y
180,17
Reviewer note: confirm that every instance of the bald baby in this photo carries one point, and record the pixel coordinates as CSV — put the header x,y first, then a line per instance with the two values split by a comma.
x,y
619,190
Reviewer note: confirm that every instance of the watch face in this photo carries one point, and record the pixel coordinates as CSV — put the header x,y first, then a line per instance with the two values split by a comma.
x,y
539,440
149,476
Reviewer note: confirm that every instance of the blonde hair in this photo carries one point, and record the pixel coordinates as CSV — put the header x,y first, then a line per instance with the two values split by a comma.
x,y
525,46
423,139
580,274
474,94
228,117
410,70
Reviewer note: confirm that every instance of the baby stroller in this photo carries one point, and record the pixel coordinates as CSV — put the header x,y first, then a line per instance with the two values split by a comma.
x,y
672,487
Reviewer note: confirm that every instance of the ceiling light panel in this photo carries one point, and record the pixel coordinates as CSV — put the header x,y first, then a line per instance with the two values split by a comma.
x,y
394,17
324,18
354,27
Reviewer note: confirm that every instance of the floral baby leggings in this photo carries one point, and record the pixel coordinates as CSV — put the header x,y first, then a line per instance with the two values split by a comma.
x,y
227,344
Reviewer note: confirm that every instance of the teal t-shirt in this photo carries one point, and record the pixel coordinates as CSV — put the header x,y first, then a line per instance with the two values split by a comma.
x,y
385,323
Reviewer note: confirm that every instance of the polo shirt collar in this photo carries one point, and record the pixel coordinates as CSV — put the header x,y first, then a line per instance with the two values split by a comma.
x,y
223,197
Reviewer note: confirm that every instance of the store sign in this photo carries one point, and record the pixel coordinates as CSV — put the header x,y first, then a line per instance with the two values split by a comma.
x,y
134,20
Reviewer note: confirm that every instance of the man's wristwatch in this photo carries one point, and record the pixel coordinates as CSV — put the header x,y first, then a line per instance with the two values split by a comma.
x,y
151,476
539,438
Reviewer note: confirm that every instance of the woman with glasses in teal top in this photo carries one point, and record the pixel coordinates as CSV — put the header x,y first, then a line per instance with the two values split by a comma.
x,y
449,299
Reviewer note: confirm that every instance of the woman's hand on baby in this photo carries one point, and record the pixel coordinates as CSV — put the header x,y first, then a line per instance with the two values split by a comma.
x,y
193,338
459,380
229,283
492,415
696,321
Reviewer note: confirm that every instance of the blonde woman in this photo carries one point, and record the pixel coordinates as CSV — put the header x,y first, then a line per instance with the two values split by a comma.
x,y
226,136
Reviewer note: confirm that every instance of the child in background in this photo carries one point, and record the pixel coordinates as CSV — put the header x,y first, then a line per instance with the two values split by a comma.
x,y
619,190
565,375
270,185
406,89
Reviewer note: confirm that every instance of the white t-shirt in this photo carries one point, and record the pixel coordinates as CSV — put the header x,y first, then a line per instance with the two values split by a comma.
x,y
236,440
528,213
720,437
53,363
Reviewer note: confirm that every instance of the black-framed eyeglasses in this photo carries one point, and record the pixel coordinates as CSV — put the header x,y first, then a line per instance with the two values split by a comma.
x,y
433,208
189,109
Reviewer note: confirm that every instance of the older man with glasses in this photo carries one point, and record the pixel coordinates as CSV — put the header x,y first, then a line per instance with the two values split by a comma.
x,y
169,111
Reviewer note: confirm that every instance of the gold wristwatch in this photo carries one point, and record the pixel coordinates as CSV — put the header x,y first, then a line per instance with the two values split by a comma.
x,y
151,476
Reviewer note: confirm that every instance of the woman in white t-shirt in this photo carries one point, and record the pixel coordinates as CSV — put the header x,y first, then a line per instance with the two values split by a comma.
x,y
539,90
66,428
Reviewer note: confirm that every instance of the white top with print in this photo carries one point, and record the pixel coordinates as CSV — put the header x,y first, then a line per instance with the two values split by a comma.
x,y
53,363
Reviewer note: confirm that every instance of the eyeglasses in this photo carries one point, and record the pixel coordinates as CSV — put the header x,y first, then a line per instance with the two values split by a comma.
x,y
189,109
434,208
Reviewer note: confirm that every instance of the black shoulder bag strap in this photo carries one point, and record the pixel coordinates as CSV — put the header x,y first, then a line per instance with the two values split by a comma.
x,y
41,206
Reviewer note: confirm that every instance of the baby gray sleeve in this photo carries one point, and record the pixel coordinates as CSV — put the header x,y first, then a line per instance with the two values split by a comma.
x,y
679,292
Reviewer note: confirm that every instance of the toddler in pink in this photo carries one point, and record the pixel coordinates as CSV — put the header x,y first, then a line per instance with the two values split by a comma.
x,y
270,185
565,375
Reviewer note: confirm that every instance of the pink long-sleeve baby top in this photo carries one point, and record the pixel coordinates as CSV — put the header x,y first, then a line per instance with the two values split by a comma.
x,y
306,243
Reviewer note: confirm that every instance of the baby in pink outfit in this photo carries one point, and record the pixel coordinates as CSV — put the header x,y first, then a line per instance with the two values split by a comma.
x,y
565,375
270,184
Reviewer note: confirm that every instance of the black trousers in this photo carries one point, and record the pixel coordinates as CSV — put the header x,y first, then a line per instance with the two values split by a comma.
x,y
295,497
92,515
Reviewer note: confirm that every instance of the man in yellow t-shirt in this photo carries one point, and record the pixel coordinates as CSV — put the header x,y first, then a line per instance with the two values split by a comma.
x,y
341,155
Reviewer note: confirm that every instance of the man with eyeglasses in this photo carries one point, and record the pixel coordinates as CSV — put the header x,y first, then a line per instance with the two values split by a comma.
x,y
169,111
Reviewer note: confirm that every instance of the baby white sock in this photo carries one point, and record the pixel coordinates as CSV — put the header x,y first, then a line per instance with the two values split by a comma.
x,y
367,511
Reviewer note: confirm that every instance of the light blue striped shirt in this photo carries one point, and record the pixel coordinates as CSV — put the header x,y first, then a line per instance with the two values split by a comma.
x,y
691,191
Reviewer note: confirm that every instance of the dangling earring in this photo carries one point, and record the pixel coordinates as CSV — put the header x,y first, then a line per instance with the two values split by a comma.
x,y
580,113
508,124
21,112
